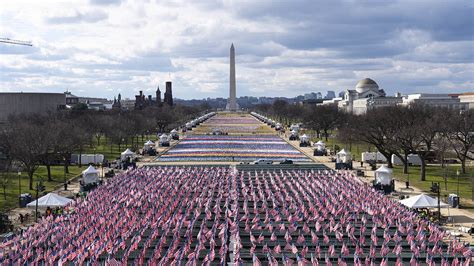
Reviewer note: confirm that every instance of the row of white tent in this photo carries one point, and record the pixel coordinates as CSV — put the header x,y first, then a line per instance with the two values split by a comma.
x,y
163,139
413,159
267,120
197,121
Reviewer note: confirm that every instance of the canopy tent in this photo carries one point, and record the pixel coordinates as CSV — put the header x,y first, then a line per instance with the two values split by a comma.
x,y
304,138
164,138
320,145
126,154
90,175
50,200
343,156
294,132
174,132
148,145
384,175
422,201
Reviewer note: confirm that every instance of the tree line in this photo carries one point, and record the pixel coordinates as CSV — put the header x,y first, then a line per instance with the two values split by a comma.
x,y
32,140
394,130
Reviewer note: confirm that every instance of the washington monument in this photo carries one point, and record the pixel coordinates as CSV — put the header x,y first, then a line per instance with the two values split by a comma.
x,y
232,103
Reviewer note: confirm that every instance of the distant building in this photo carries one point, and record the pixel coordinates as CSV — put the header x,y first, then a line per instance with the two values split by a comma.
x,y
93,99
117,105
330,95
96,106
467,97
158,96
15,103
71,99
168,99
312,102
361,106
450,101
334,100
313,96
141,101
365,88
128,104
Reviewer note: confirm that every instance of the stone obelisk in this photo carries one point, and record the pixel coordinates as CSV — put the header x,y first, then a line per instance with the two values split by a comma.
x,y
232,104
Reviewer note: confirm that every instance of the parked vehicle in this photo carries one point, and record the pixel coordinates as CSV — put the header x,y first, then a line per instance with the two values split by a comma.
x,y
286,161
263,161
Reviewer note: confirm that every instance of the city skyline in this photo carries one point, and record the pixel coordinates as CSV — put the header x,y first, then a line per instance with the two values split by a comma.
x,y
100,48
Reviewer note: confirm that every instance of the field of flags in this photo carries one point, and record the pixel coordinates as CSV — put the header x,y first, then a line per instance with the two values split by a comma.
x,y
232,148
234,124
218,215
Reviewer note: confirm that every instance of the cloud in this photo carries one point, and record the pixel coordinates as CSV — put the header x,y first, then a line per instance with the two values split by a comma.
x,y
105,2
283,48
78,17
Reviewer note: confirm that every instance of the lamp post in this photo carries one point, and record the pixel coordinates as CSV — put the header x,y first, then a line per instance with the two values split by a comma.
x,y
408,180
457,174
101,172
65,182
439,204
19,187
472,184
39,187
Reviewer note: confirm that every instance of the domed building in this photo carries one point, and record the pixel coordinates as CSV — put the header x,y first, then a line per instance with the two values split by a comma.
x,y
366,89
365,85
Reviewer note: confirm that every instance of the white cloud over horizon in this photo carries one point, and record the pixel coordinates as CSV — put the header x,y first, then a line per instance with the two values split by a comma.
x,y
283,48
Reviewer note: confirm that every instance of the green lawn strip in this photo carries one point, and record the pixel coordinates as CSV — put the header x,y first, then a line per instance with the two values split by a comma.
x,y
112,151
355,148
434,173
12,188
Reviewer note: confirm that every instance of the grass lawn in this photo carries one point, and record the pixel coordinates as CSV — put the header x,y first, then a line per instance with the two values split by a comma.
x,y
112,151
434,173
12,188
355,148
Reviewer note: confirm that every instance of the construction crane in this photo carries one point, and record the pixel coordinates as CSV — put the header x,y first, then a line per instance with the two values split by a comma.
x,y
17,42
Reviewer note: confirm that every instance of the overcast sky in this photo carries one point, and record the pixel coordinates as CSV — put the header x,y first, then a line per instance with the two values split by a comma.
x,y
283,48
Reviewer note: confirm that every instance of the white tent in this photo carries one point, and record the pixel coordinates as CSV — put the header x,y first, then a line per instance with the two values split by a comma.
x,y
50,200
174,132
294,132
294,127
164,138
148,145
126,154
320,146
422,201
304,138
90,175
343,156
384,175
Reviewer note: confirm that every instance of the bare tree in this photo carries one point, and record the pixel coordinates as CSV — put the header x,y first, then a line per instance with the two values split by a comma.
x,y
460,133
374,128
29,142
323,118
279,109
429,128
